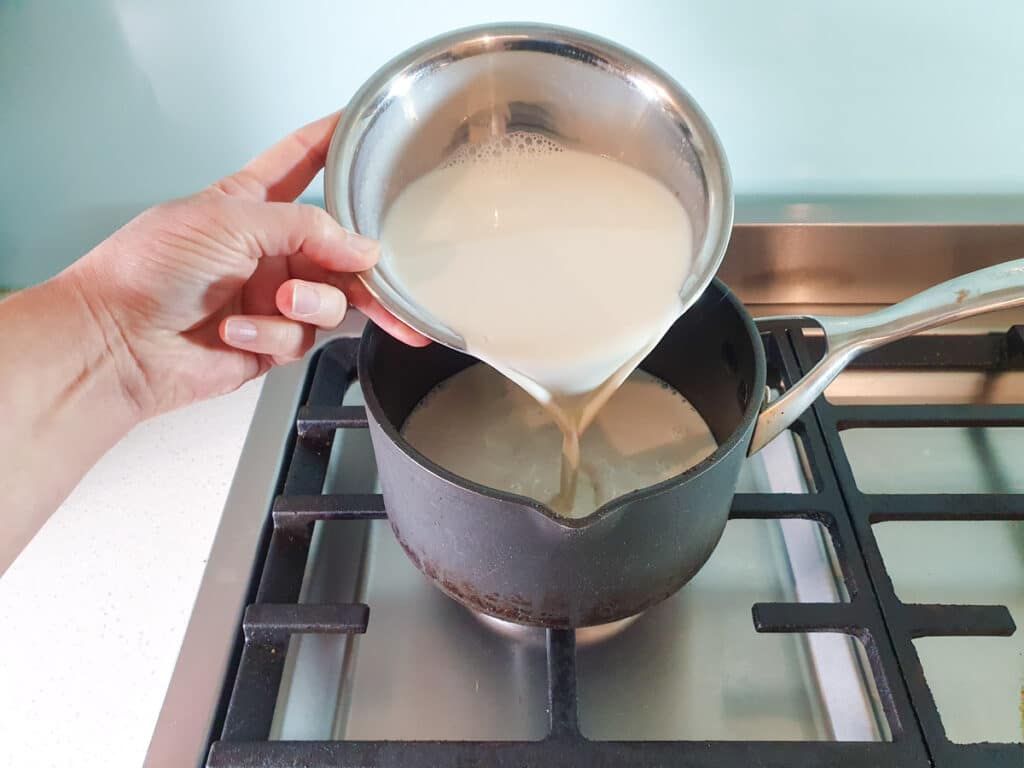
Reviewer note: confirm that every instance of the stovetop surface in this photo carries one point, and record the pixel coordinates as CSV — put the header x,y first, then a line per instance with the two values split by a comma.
x,y
859,610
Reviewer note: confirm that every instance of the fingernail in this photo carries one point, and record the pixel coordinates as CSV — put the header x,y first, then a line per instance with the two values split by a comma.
x,y
305,300
362,244
239,330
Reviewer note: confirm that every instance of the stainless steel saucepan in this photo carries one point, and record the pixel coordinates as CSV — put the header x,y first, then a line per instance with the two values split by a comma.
x,y
470,86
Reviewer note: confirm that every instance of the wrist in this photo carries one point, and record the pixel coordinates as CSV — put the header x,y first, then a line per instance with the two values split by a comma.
x,y
106,355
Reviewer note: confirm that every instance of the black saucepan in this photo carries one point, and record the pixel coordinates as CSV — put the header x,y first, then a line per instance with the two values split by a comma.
x,y
511,557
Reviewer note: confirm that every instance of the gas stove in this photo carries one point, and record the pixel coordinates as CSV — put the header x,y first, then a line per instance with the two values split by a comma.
x,y
859,610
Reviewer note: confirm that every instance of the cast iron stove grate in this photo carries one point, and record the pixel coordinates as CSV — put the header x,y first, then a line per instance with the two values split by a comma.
x,y
874,615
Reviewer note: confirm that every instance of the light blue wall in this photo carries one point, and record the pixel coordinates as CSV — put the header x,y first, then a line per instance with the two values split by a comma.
x,y
107,107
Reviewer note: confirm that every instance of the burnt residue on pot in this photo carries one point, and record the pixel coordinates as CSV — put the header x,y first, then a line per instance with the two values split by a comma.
x,y
554,610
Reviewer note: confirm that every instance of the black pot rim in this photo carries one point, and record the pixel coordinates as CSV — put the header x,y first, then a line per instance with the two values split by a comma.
x,y
740,433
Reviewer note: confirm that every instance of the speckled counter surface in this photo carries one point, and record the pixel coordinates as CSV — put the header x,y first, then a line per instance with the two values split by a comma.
x,y
93,611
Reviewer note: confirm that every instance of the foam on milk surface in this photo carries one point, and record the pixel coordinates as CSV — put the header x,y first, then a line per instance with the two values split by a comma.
x,y
484,428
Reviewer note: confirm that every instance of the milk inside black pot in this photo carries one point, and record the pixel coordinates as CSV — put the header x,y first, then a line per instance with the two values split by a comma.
x,y
481,426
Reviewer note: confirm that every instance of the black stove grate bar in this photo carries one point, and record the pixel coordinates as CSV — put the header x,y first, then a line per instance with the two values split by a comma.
x,y
561,648
958,620
556,752
320,422
272,624
907,622
960,415
300,512
773,506
267,629
250,709
809,617
940,506
247,718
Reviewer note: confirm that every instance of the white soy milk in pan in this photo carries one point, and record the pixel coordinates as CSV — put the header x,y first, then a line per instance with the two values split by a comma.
x,y
560,269
645,433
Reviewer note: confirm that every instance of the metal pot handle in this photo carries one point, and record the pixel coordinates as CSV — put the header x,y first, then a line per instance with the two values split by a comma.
x,y
986,290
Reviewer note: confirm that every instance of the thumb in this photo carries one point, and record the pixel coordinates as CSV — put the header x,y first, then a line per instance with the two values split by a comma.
x,y
283,229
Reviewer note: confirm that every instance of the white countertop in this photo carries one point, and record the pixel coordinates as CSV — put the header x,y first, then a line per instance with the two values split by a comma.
x,y
95,608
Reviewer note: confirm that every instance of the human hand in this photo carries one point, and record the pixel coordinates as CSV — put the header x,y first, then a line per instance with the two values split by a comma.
x,y
196,296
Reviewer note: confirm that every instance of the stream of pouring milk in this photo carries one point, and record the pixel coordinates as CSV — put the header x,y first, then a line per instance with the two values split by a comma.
x,y
560,269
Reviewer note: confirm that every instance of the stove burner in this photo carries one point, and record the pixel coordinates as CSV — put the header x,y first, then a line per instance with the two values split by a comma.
x,y
585,636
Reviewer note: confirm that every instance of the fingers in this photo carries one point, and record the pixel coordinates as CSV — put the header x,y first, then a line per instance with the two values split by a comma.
x,y
278,337
316,247
306,305
283,171
319,304
286,229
